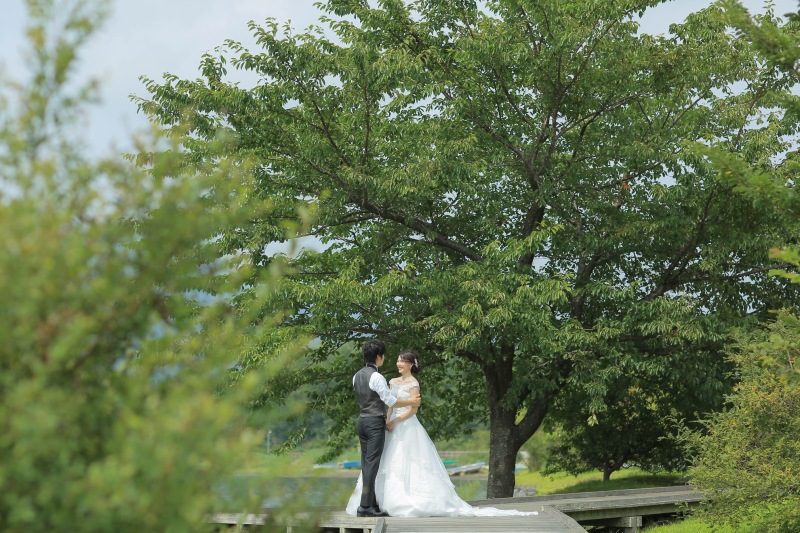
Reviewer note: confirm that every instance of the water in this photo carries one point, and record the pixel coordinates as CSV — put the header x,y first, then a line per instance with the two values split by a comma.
x,y
315,491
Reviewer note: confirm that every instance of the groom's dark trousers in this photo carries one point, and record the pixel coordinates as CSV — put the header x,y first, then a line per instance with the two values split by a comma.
x,y
371,434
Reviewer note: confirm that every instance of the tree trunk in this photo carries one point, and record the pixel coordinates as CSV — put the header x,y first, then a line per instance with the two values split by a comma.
x,y
502,454
607,473
506,436
503,442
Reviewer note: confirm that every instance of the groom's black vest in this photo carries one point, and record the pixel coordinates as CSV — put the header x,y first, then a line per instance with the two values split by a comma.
x,y
369,401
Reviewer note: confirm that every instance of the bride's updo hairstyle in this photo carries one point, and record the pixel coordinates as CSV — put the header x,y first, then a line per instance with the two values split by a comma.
x,y
410,356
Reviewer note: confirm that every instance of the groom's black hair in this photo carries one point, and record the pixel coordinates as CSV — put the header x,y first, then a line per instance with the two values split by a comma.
x,y
372,349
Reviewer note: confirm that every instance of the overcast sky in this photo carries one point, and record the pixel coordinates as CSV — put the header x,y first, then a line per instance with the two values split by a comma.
x,y
151,37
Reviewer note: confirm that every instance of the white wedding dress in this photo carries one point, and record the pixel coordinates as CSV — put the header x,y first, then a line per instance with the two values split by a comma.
x,y
412,480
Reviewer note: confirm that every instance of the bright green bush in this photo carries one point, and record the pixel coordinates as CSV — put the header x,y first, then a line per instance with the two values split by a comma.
x,y
115,413
749,462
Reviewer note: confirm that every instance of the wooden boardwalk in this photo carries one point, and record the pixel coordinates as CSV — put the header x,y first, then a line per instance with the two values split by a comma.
x,y
548,520
620,508
560,513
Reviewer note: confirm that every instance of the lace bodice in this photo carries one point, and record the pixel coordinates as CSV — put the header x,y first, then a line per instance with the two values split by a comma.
x,y
401,391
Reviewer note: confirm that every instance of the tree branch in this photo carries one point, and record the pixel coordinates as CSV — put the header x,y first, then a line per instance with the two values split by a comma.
x,y
670,277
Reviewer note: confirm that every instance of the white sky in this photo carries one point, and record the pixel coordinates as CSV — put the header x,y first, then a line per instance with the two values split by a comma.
x,y
151,37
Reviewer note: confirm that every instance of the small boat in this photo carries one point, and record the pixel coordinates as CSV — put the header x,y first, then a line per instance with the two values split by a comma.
x,y
474,468
351,464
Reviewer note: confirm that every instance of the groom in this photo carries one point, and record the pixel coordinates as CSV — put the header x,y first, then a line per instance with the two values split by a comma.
x,y
373,397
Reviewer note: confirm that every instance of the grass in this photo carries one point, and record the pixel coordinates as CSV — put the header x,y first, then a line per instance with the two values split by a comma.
x,y
294,464
695,525
632,478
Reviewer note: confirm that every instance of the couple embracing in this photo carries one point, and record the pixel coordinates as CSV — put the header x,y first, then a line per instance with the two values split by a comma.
x,y
401,472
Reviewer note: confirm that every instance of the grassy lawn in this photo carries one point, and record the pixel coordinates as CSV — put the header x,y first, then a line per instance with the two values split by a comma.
x,y
633,478
299,464
694,525
561,483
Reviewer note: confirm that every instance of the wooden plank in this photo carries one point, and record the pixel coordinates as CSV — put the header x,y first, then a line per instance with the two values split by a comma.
x,y
628,522
663,491
559,512
380,526
233,519
628,505
347,523
499,524
548,520
584,507
569,523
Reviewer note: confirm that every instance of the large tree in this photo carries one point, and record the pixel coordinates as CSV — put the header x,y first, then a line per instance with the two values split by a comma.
x,y
506,189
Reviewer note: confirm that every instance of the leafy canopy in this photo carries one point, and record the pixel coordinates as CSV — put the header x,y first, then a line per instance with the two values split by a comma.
x,y
508,190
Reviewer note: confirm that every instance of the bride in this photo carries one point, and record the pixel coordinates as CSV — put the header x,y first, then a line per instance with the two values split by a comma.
x,y
412,480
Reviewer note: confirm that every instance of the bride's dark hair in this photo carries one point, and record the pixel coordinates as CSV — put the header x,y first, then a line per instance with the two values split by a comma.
x,y
410,356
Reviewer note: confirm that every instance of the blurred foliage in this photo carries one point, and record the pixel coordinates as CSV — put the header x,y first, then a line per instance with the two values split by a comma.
x,y
775,187
749,460
538,449
116,412
748,457
696,525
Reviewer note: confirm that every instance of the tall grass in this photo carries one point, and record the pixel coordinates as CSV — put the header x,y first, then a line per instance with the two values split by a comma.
x,y
695,525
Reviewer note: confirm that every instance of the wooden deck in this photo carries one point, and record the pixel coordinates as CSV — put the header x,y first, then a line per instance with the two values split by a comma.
x,y
560,513
548,520
620,508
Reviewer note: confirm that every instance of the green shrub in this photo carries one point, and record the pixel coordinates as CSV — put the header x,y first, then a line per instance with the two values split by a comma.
x,y
749,462
115,413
